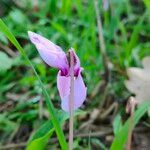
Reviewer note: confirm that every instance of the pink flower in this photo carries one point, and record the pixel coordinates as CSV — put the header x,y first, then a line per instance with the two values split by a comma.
x,y
55,57
105,4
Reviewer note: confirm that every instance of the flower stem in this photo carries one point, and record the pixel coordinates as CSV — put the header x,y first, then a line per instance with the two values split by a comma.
x,y
131,123
71,101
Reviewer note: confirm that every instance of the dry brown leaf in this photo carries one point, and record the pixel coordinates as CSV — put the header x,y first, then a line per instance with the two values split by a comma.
x,y
139,81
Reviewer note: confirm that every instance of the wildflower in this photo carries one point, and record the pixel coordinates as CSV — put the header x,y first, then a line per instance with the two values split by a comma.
x,y
139,81
55,57
105,4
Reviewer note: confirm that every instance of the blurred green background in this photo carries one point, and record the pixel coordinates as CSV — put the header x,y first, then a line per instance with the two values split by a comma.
x,y
68,23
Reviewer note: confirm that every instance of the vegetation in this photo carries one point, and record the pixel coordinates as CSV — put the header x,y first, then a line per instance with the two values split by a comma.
x,y
30,111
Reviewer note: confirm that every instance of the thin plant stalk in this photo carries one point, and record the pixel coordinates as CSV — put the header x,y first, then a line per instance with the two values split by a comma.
x,y
131,125
101,41
71,101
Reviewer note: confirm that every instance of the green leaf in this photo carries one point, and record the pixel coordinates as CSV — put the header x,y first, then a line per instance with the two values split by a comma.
x,y
147,3
122,135
40,138
117,124
49,103
135,36
5,62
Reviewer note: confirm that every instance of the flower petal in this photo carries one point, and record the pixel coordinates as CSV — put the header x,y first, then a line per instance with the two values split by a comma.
x,y
76,62
63,84
105,5
52,54
146,62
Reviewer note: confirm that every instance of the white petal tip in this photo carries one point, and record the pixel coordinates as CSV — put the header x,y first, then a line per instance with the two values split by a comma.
x,y
33,37
30,33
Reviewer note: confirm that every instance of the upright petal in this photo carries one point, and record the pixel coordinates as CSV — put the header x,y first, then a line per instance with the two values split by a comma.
x,y
63,84
52,54
76,62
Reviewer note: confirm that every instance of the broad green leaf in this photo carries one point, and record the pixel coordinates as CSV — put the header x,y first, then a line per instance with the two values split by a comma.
x,y
5,62
49,103
147,3
40,138
122,135
117,124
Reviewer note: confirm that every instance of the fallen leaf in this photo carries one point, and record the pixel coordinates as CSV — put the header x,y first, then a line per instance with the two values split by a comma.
x,y
139,81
